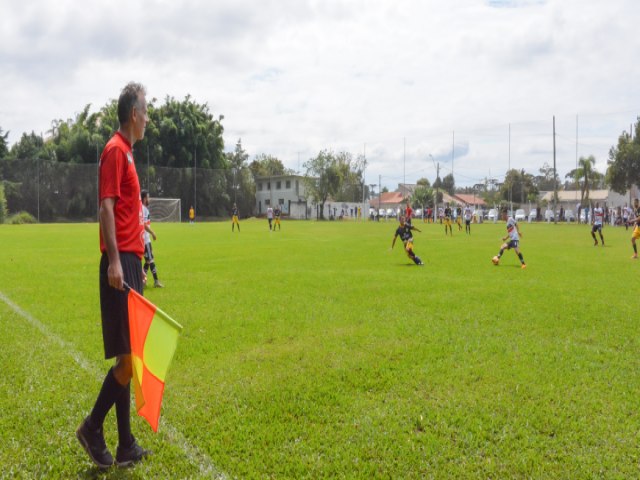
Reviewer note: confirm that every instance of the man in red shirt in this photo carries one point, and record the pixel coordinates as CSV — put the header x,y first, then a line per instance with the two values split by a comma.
x,y
122,247
408,212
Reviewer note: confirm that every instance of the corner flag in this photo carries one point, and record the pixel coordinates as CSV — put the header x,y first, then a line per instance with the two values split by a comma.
x,y
154,336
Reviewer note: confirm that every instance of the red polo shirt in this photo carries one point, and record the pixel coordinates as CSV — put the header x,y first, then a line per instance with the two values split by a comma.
x,y
119,180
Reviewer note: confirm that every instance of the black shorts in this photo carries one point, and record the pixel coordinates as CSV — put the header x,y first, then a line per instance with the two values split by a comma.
x,y
596,228
512,244
114,304
148,253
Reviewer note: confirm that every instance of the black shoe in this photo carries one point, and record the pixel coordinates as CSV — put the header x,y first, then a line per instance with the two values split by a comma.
x,y
131,454
92,441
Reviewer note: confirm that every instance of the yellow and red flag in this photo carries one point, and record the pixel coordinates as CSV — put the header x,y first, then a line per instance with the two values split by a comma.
x,y
154,336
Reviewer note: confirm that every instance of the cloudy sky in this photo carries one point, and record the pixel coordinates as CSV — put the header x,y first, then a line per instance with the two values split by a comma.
x,y
471,84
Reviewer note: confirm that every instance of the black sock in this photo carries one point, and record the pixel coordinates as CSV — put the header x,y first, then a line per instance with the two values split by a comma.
x,y
153,271
521,258
501,251
635,249
108,395
123,416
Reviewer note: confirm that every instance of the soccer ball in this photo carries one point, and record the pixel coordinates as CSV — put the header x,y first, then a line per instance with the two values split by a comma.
x,y
495,260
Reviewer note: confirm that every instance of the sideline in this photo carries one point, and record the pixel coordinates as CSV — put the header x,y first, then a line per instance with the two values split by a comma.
x,y
195,456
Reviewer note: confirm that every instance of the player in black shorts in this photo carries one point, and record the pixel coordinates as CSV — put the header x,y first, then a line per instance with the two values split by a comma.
x,y
447,220
404,232
121,244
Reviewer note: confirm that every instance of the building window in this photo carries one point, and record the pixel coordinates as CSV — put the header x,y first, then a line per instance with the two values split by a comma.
x,y
260,186
278,185
288,184
268,185
267,202
281,201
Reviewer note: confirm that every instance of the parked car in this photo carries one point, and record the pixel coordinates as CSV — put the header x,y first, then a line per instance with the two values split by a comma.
x,y
382,213
549,215
569,216
584,218
533,215
391,212
493,215
417,213
520,215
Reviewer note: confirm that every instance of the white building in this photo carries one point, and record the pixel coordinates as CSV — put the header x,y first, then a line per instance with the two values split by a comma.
x,y
288,191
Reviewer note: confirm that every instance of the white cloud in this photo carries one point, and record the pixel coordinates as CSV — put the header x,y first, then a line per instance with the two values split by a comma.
x,y
293,77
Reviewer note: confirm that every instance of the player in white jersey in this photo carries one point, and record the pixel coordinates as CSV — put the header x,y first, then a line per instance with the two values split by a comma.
x,y
597,223
513,237
149,261
467,219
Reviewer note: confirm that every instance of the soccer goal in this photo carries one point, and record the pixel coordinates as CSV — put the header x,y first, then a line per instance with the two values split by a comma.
x,y
165,209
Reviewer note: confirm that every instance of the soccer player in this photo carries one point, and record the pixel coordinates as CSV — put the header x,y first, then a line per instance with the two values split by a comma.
x,y
447,220
234,218
408,212
120,212
598,220
276,213
636,229
404,232
192,215
459,218
467,219
513,235
270,216
148,233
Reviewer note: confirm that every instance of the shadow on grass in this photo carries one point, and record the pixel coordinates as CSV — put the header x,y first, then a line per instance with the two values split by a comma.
x,y
93,473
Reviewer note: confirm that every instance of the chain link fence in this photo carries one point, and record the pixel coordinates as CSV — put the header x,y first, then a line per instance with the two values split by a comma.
x,y
63,192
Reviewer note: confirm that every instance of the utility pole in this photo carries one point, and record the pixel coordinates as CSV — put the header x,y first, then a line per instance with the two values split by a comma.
x,y
364,169
555,183
379,192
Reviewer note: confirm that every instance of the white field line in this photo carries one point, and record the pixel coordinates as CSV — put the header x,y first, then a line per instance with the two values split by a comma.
x,y
195,456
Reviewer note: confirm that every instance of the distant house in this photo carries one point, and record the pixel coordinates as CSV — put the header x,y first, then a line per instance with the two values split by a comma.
x,y
288,191
570,199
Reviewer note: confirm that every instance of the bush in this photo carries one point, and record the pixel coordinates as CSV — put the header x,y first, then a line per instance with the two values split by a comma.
x,y
21,218
3,205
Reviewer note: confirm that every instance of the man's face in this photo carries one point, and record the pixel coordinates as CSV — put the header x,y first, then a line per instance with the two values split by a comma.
x,y
139,117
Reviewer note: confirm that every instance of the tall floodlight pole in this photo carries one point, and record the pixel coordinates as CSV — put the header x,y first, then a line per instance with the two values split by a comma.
x,y
508,170
555,184
364,168
453,152
195,173
404,161
435,202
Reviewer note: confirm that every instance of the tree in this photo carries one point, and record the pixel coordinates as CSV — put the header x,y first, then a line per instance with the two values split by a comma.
x,y
322,178
4,144
241,187
266,165
545,181
624,162
3,205
449,184
350,173
585,178
424,182
518,187
422,197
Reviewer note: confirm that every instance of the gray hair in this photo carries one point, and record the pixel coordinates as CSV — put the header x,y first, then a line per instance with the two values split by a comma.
x,y
128,99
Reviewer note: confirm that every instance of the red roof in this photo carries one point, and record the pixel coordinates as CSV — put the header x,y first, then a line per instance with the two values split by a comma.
x,y
391,197
470,198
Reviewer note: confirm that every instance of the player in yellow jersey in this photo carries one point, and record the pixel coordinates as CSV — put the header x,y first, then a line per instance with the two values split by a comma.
x,y
636,230
234,217
447,220
276,214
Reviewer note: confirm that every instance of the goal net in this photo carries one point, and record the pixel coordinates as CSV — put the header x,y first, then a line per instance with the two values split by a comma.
x,y
165,209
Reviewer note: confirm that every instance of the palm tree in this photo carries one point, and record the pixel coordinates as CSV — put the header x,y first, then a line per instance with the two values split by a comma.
x,y
585,171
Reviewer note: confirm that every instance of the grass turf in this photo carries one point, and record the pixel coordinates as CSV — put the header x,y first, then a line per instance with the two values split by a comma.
x,y
314,352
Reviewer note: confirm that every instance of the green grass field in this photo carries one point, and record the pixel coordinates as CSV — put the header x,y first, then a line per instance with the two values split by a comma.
x,y
315,352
